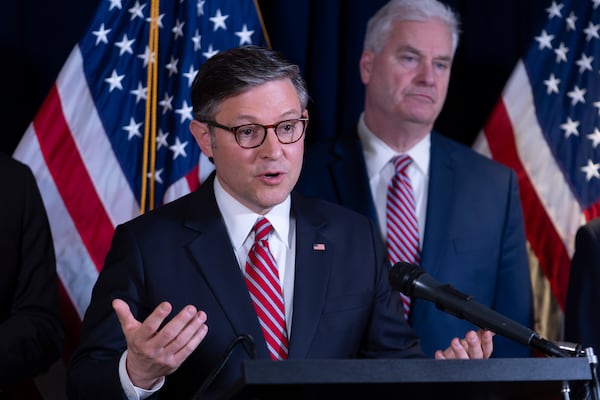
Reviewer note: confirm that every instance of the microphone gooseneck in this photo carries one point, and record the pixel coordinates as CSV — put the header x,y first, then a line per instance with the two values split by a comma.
x,y
226,355
413,281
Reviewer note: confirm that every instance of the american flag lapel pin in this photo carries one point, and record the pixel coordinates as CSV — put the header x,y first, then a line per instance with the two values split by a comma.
x,y
319,246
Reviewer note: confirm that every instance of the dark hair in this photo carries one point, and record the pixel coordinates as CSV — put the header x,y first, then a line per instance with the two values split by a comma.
x,y
232,72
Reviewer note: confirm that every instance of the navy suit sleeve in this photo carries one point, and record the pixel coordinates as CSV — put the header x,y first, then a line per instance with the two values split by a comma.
x,y
583,294
93,371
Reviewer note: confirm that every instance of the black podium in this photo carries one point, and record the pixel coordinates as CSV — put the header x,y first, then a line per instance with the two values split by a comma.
x,y
517,378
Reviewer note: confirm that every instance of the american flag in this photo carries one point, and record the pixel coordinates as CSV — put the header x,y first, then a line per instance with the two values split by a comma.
x,y
111,139
546,127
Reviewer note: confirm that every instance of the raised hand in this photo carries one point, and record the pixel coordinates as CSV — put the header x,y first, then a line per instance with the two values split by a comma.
x,y
154,352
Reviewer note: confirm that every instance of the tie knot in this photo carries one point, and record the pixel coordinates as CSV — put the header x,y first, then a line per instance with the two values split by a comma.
x,y
401,163
261,229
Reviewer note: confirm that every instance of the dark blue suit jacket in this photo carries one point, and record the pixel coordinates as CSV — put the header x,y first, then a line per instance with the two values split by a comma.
x,y
181,253
583,295
31,329
474,233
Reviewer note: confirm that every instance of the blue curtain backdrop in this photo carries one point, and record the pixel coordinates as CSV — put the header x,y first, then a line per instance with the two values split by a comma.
x,y
323,37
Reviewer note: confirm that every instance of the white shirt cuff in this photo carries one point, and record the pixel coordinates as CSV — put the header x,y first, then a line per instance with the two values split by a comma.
x,y
132,392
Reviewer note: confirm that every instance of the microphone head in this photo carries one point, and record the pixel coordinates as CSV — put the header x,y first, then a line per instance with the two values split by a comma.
x,y
403,276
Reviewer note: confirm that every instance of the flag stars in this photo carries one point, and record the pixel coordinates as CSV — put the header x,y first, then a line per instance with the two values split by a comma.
x,y
185,112
178,148
561,53
210,52
147,56
219,20
584,63
596,3
577,95
190,75
597,105
200,7
178,29
166,103
594,137
140,93
544,40
551,84
101,35
571,21
172,66
125,45
591,31
114,81
160,19
570,127
115,4
591,170
157,175
136,11
161,139
133,129
245,35
554,10
196,40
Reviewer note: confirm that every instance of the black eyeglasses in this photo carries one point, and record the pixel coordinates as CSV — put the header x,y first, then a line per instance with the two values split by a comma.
x,y
250,136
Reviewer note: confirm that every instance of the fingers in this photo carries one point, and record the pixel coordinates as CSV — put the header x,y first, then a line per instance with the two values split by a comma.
x,y
155,350
474,349
184,332
487,342
170,331
153,322
475,345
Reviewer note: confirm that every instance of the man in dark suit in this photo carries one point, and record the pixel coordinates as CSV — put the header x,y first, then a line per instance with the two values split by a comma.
x,y
173,273
470,223
31,329
583,297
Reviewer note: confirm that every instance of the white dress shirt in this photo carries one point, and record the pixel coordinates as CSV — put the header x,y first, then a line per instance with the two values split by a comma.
x,y
380,170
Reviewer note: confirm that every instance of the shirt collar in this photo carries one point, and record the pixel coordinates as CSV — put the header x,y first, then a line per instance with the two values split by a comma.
x,y
378,154
239,220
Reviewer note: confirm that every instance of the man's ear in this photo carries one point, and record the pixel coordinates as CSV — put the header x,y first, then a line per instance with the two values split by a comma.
x,y
201,133
365,65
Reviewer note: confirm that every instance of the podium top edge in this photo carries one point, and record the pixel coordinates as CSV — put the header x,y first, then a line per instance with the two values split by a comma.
x,y
416,370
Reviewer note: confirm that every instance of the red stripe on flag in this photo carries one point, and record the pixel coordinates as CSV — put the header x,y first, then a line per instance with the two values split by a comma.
x,y
593,211
192,178
72,179
544,240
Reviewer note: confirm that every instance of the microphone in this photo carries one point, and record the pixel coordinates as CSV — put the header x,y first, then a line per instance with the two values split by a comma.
x,y
226,355
413,281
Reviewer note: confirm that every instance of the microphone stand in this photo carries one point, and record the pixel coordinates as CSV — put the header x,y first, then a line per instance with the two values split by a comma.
x,y
593,360
226,355
566,349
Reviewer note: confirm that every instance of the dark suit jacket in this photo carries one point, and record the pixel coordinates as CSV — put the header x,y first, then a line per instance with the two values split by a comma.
x,y
181,253
31,330
583,294
474,233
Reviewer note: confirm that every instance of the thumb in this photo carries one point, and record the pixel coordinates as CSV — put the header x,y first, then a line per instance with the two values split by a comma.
x,y
124,314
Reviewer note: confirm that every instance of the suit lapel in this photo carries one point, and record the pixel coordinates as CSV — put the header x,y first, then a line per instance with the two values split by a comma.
x,y
350,177
439,202
216,262
314,256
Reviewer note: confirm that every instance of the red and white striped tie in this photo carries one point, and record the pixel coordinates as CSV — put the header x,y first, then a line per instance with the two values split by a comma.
x,y
262,280
402,226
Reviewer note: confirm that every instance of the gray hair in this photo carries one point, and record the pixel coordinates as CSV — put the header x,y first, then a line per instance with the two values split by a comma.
x,y
234,71
380,24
